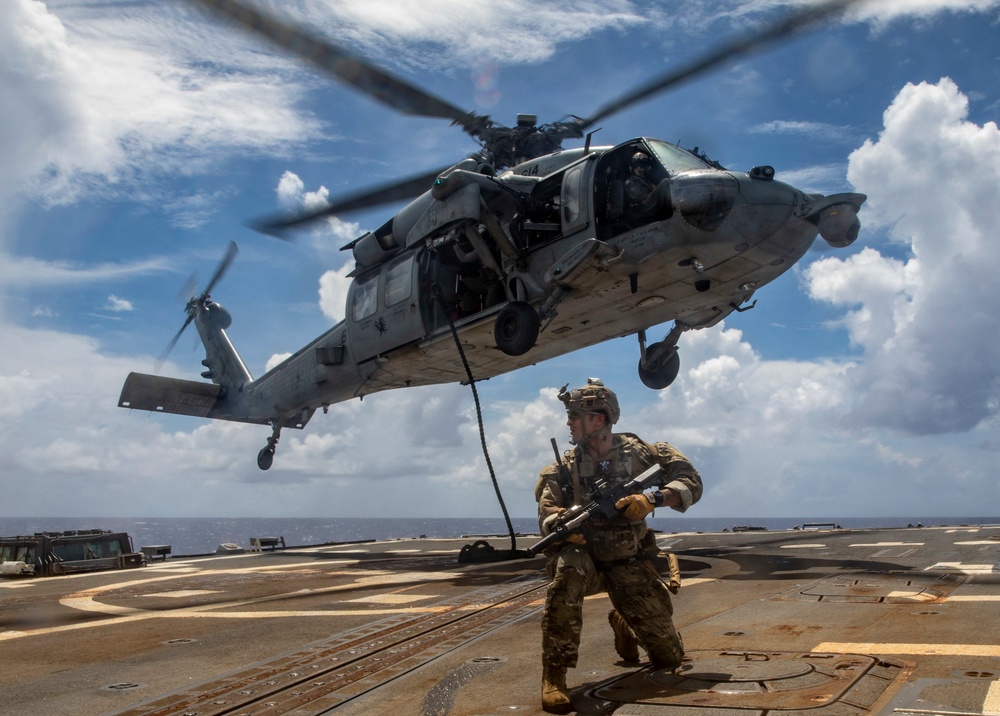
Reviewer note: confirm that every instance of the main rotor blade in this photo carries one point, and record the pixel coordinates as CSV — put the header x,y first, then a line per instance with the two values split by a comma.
x,y
278,224
746,45
346,67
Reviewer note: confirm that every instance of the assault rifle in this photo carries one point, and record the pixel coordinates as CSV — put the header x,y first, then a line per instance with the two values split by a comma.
x,y
602,502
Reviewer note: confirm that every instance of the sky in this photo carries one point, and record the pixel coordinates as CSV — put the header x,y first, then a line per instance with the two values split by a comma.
x,y
138,137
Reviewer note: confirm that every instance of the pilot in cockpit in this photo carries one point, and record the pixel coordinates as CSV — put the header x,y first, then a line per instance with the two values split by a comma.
x,y
645,200
638,187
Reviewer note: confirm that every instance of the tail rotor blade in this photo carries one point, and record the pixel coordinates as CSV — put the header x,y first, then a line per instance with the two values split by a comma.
x,y
223,266
195,303
173,342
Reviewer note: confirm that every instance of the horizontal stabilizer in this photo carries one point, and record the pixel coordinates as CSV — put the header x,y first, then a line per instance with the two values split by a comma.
x,y
170,395
191,397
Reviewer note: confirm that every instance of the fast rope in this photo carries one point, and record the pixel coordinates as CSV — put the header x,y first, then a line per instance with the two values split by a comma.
x,y
479,416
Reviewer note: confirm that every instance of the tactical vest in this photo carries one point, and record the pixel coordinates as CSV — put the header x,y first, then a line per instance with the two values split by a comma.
x,y
609,541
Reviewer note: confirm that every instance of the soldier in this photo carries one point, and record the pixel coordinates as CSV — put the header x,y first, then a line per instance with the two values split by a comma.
x,y
606,554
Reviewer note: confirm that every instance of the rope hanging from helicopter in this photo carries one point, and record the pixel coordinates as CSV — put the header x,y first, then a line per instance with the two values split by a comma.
x,y
479,416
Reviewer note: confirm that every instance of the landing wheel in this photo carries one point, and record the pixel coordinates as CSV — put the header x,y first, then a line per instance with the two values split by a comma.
x,y
265,457
663,363
516,328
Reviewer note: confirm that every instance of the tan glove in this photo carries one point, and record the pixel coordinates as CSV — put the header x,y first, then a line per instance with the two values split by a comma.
x,y
634,507
548,524
674,584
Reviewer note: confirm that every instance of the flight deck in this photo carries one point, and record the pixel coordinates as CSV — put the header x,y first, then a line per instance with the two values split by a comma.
x,y
833,622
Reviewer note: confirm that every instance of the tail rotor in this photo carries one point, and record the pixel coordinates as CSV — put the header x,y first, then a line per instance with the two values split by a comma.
x,y
197,303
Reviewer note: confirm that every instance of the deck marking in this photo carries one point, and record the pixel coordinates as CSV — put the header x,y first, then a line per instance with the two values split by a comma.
x,y
887,544
973,598
392,598
84,601
87,604
911,649
980,541
811,545
991,704
961,568
183,593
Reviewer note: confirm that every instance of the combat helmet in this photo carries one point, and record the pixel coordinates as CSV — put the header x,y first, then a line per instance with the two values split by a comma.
x,y
640,159
594,397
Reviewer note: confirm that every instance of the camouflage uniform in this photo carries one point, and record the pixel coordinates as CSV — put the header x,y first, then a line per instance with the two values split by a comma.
x,y
610,559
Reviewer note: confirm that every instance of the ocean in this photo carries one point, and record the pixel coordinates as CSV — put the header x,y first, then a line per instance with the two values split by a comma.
x,y
203,535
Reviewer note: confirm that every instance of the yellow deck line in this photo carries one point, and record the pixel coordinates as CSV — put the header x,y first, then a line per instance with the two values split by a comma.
x,y
839,647
991,704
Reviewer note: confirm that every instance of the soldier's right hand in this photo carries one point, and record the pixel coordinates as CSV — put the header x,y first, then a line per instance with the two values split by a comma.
x,y
576,538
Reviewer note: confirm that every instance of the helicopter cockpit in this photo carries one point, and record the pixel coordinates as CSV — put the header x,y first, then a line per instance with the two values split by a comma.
x,y
702,177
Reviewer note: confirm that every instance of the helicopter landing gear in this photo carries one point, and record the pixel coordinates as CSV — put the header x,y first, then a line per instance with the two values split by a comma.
x,y
660,363
516,328
266,455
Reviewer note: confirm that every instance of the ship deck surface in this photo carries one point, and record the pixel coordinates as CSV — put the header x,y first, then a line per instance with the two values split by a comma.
x,y
836,622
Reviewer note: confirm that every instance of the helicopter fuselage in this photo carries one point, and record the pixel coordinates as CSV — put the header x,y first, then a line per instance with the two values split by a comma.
x,y
544,259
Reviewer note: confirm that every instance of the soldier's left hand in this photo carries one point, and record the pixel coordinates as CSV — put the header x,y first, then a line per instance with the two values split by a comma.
x,y
634,507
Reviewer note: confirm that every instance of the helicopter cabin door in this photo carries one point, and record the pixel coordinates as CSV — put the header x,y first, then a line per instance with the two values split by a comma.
x,y
382,308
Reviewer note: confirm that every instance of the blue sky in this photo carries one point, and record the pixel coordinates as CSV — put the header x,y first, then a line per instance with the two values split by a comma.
x,y
139,136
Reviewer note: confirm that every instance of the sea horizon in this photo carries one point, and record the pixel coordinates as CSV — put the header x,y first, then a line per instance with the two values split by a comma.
x,y
204,535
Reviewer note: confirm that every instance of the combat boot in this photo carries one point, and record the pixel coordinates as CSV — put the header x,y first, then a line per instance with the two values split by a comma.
x,y
555,697
626,644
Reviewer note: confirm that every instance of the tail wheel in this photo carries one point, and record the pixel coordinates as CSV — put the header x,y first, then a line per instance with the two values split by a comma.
x,y
663,363
516,328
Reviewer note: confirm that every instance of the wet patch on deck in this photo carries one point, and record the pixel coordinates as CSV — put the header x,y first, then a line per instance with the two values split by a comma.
x,y
720,681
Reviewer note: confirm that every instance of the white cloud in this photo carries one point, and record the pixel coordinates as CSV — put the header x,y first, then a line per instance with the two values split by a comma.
x,y
509,31
24,271
117,305
813,130
97,94
276,359
932,362
335,283
333,288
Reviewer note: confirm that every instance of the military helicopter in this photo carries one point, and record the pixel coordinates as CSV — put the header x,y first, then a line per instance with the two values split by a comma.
x,y
517,254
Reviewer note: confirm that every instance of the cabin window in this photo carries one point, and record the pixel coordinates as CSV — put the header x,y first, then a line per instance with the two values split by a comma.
x,y
398,283
365,297
574,205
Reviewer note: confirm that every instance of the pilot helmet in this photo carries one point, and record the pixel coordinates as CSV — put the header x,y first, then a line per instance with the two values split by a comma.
x,y
594,397
639,159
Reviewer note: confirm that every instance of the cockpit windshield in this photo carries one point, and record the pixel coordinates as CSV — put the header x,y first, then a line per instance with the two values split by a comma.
x,y
674,158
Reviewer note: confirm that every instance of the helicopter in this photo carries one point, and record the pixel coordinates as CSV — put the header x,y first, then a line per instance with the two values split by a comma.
x,y
519,253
